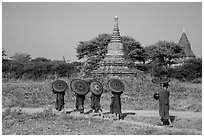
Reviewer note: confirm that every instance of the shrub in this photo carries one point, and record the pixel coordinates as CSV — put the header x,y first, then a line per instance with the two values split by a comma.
x,y
197,80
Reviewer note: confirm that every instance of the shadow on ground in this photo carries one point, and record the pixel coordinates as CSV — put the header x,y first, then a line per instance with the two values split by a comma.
x,y
172,118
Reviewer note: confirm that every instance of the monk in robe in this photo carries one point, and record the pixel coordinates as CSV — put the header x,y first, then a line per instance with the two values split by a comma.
x,y
164,105
115,106
95,103
80,103
59,105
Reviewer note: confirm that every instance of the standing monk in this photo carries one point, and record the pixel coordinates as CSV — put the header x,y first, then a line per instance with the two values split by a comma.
x,y
164,105
96,92
80,88
115,106
58,88
95,102
80,103
59,105
116,87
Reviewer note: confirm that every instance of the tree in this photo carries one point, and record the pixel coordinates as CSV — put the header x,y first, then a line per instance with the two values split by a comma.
x,y
77,64
164,53
4,59
190,70
138,54
42,59
3,54
64,69
21,57
94,51
39,67
130,45
96,46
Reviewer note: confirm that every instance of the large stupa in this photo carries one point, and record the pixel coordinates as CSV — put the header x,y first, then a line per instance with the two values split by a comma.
x,y
114,62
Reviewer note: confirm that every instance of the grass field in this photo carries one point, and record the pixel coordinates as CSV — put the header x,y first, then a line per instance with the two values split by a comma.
x,y
48,123
183,96
29,94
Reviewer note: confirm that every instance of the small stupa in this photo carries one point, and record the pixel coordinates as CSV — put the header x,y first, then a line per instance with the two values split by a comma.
x,y
186,46
114,62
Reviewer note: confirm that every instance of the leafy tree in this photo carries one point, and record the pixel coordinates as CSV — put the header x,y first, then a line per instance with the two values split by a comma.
x,y
38,68
96,46
3,54
190,70
77,64
6,66
164,53
21,57
138,54
42,59
130,45
15,68
64,69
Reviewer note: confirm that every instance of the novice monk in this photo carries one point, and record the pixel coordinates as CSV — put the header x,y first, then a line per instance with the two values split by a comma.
x,y
59,105
96,92
80,103
115,106
95,103
80,88
164,105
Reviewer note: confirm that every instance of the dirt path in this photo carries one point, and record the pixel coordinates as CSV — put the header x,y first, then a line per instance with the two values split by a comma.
x,y
134,113
145,113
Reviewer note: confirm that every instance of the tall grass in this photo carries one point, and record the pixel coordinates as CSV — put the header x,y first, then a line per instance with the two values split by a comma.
x,y
138,94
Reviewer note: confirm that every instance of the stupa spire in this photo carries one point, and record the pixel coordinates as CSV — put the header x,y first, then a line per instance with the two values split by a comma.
x,y
116,33
184,40
185,44
115,47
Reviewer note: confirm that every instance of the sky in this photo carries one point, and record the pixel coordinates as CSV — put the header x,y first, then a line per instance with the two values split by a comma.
x,y
53,30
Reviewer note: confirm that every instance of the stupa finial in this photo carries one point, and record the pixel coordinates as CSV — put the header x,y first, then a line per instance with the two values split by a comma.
x,y
116,18
184,30
116,21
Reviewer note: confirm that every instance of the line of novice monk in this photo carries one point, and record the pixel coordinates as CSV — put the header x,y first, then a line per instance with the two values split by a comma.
x,y
115,105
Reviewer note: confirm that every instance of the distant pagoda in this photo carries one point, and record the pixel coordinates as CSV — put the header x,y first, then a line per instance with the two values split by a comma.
x,y
114,62
186,46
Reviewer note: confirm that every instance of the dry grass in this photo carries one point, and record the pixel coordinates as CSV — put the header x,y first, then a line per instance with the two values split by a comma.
x,y
138,96
48,123
183,96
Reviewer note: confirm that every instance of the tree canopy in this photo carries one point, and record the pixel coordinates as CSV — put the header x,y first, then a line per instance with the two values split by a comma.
x,y
164,53
190,70
21,57
96,46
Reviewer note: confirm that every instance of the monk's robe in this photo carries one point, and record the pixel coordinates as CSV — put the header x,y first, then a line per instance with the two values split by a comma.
x,y
95,102
59,101
164,104
80,102
115,106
